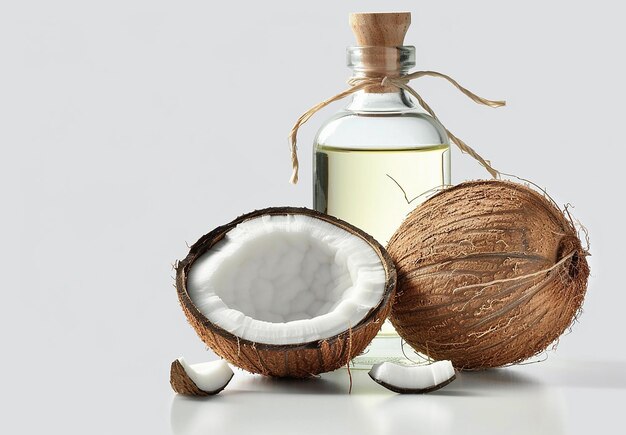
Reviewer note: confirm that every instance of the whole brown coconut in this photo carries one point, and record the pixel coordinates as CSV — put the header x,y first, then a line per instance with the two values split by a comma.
x,y
296,360
489,274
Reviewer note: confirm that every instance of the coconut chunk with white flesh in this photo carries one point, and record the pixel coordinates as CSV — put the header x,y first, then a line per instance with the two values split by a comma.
x,y
202,379
413,379
286,291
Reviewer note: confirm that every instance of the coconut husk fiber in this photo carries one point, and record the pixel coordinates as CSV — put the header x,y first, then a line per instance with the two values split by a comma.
x,y
490,273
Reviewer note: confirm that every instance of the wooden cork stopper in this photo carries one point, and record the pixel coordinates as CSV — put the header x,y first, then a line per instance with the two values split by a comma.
x,y
379,33
380,29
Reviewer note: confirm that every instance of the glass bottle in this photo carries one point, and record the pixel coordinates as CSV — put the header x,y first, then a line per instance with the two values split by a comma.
x,y
375,160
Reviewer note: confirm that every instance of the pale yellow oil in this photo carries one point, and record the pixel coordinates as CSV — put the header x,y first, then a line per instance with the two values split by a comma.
x,y
375,189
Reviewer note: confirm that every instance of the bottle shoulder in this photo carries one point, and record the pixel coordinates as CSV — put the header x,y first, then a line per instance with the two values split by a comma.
x,y
359,130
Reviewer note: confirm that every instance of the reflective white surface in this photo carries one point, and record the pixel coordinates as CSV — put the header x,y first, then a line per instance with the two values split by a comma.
x,y
552,397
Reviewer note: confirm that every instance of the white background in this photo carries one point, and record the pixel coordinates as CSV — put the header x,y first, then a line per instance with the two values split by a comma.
x,y
128,128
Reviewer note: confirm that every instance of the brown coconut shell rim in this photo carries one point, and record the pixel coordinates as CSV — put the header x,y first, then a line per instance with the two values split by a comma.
x,y
207,241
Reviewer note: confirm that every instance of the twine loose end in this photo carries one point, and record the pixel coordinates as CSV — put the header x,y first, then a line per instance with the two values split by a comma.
x,y
294,177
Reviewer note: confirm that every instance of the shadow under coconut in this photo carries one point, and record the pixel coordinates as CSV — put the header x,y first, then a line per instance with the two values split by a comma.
x,y
495,380
590,374
269,385
561,373
336,382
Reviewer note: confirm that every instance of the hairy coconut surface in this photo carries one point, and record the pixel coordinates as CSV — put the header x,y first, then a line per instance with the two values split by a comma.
x,y
249,338
489,273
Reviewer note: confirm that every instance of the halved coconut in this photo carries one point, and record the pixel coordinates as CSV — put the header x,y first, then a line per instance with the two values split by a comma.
x,y
413,379
202,379
286,291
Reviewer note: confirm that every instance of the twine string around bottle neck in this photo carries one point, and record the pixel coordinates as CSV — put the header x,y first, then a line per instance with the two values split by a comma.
x,y
401,82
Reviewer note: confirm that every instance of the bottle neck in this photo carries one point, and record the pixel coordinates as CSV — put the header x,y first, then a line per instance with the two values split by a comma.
x,y
378,62
387,99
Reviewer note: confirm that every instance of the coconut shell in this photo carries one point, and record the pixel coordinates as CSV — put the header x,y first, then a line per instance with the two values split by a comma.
x,y
293,360
490,273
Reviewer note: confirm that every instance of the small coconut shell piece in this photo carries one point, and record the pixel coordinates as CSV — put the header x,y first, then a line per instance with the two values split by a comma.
x,y
489,274
204,379
271,294
413,379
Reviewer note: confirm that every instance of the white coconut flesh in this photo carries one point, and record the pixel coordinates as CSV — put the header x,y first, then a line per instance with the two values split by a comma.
x,y
209,376
287,279
413,379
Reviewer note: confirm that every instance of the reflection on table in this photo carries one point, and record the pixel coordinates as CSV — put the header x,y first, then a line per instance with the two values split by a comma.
x,y
504,401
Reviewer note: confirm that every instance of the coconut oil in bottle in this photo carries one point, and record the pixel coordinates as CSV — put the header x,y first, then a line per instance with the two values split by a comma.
x,y
377,159
374,189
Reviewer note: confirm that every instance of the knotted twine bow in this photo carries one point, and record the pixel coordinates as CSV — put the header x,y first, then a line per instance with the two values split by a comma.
x,y
360,83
